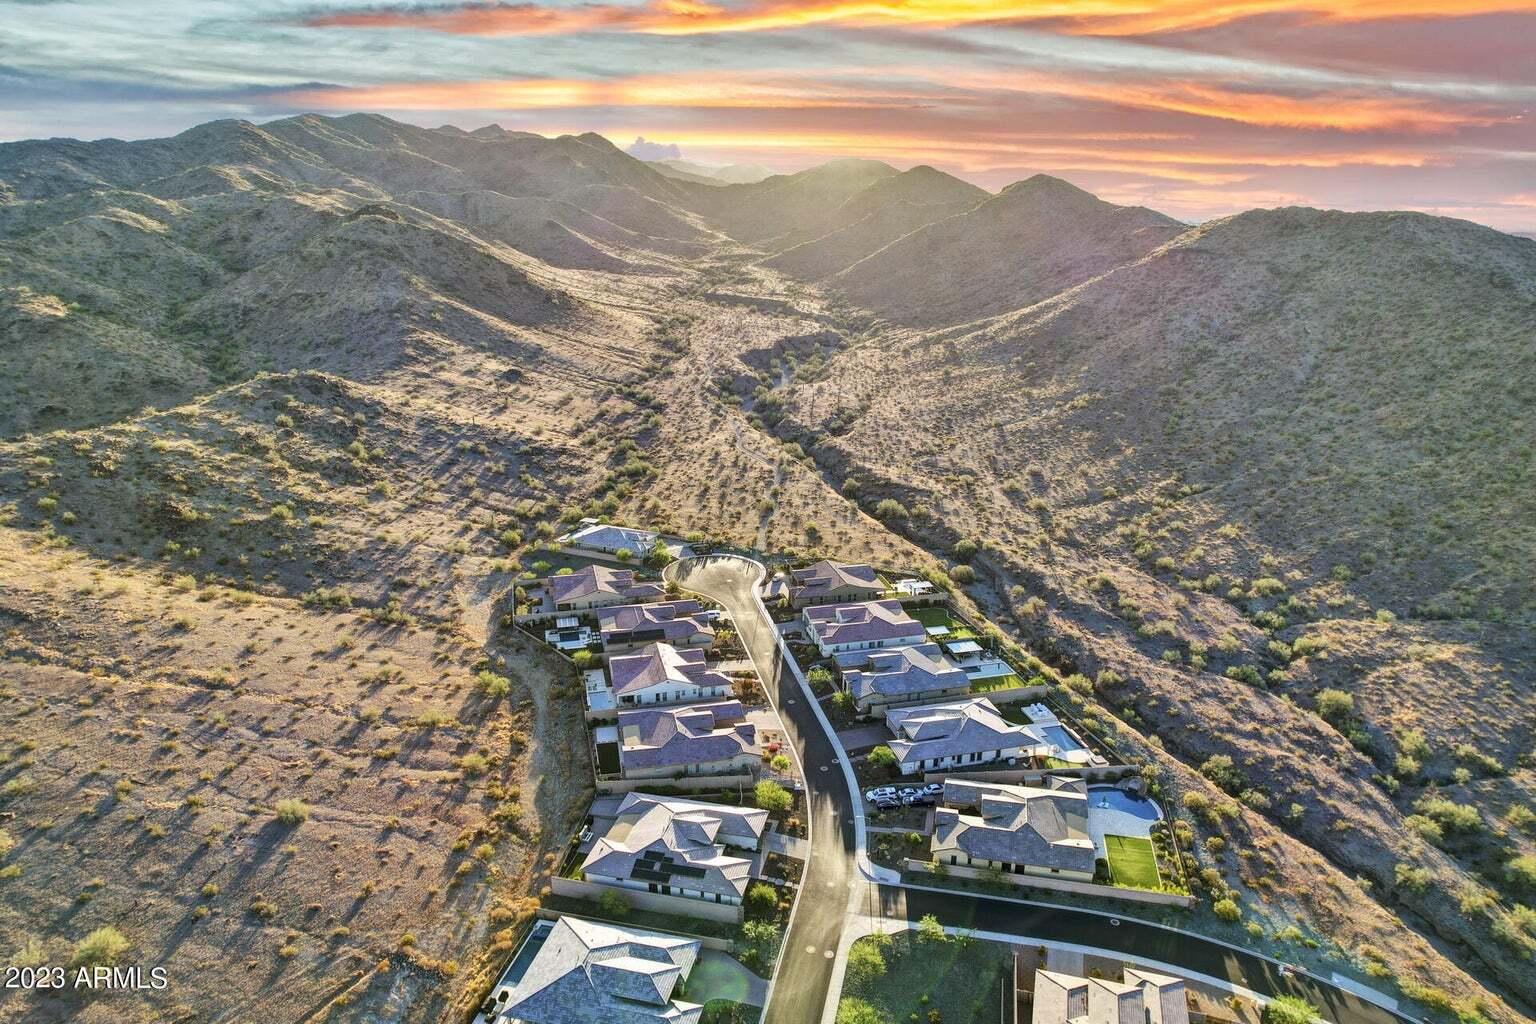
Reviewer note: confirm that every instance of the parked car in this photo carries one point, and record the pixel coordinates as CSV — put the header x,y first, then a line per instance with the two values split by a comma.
x,y
916,798
934,789
887,803
880,793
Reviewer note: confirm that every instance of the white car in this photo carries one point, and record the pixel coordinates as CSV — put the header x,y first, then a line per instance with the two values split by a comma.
x,y
880,793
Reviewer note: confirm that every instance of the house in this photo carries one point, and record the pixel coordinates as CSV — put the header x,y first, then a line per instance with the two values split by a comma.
x,y
674,848
1142,998
596,586
662,674
691,739
829,582
591,973
955,734
610,539
901,675
836,628
1022,830
631,626
741,827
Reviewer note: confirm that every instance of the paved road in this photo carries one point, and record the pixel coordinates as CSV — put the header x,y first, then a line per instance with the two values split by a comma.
x,y
805,972
833,889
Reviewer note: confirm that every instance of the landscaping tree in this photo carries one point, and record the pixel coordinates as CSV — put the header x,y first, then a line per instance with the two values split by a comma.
x,y
929,929
1289,1010
582,660
882,757
614,903
866,963
856,1011
761,900
771,796
761,939
820,679
780,763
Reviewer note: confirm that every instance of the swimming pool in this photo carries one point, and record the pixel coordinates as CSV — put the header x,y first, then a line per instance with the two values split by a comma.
x,y
1111,798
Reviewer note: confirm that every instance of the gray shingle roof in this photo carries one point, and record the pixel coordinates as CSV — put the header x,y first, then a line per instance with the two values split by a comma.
x,y
664,621
902,671
688,735
1045,826
825,576
954,727
592,973
596,580
662,663
679,839
862,622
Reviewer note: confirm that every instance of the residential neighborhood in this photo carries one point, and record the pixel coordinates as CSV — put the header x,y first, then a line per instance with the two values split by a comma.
x,y
971,778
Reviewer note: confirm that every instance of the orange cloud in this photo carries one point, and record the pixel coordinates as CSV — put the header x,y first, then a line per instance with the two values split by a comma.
x,y
1348,112
689,17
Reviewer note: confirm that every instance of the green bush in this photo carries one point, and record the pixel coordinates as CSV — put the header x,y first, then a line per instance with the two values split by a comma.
x,y
882,757
1289,1010
102,946
1227,910
771,796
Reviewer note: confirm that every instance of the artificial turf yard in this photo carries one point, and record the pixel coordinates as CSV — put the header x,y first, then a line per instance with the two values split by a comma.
x,y
1132,861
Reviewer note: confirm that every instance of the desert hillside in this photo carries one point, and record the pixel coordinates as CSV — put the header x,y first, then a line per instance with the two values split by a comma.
x,y
287,410
1033,239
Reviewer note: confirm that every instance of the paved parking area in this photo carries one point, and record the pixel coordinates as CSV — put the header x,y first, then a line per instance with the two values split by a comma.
x,y
864,737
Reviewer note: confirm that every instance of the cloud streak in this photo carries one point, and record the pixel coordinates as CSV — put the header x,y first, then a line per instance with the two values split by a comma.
x,y
691,17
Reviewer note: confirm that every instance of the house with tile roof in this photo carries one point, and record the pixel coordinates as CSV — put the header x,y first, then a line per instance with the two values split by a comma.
x,y
588,972
1016,829
955,734
835,628
674,848
829,582
885,678
609,539
689,739
629,627
1142,998
663,674
596,586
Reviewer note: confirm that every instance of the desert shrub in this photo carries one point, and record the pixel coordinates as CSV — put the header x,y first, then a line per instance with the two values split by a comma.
x,y
965,550
1336,707
1219,769
1522,871
1411,878
102,946
474,764
1227,910
1454,818
889,510
963,574
291,811
492,685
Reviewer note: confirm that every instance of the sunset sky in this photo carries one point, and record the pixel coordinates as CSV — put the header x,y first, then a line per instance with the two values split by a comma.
x,y
1197,109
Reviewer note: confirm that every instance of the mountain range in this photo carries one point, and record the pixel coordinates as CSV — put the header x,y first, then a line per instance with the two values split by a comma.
x,y
330,375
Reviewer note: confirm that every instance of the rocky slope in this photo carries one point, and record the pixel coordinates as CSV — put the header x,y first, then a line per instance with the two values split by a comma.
x,y
252,370
1030,241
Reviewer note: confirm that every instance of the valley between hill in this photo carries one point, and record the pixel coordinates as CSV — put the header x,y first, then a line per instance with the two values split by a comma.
x,y
284,407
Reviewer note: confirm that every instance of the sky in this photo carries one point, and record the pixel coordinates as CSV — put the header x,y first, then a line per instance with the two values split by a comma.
x,y
1198,108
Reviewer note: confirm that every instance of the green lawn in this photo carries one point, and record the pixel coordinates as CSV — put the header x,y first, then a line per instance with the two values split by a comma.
x,y
1132,861
963,981
939,616
1002,682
